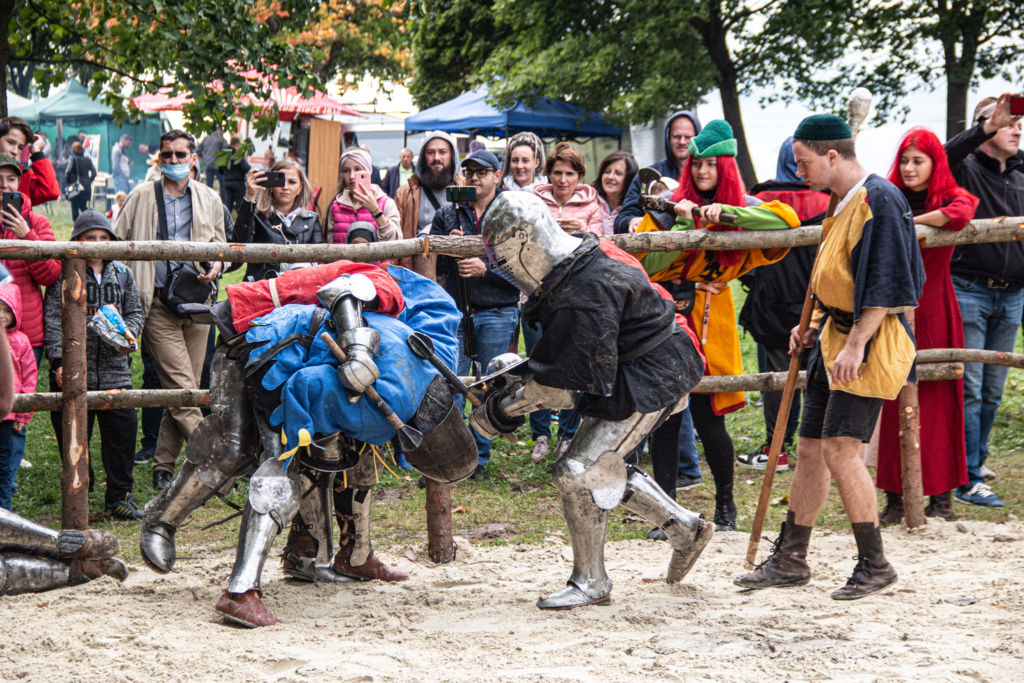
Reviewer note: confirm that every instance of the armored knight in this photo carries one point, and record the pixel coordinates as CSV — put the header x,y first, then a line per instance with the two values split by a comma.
x,y
609,335
282,402
35,559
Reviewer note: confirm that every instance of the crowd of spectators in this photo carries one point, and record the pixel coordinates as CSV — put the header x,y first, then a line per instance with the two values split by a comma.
x,y
973,297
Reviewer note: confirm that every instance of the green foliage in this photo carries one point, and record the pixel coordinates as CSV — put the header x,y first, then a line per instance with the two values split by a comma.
x,y
450,40
202,47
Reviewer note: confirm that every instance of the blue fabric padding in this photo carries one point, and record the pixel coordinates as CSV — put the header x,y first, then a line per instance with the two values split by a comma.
x,y
312,396
430,310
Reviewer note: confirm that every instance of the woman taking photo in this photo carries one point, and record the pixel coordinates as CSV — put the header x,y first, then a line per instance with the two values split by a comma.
x,y
80,170
573,204
361,201
613,179
524,155
710,182
921,171
278,215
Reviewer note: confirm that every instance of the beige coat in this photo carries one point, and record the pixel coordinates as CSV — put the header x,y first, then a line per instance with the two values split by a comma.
x,y
139,219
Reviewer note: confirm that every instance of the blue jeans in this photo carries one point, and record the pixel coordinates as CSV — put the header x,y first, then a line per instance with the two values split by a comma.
x,y
689,459
12,450
540,420
494,329
120,184
991,318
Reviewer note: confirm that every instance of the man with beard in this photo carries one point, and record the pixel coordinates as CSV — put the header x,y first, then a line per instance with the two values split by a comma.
x,y
423,195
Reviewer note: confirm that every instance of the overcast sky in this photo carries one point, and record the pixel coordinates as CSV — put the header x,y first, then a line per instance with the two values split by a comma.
x,y
767,128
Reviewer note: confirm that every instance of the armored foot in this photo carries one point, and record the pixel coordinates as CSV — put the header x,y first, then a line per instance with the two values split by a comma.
x,y
246,609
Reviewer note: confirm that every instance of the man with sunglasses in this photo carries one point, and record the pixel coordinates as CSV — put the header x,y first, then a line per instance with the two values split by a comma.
x,y
188,212
495,301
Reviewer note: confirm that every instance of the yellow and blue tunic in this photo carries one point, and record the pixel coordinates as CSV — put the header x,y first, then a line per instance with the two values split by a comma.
x,y
869,258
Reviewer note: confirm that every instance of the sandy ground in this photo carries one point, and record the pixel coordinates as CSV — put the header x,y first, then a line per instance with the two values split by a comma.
x,y
474,620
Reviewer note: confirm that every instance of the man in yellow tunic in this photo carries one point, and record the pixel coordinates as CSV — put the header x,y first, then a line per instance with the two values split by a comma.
x,y
867,274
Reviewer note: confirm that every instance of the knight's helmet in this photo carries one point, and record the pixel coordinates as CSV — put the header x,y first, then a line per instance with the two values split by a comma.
x,y
523,240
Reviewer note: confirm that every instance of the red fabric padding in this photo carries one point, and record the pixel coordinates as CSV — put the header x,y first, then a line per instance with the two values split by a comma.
x,y
250,300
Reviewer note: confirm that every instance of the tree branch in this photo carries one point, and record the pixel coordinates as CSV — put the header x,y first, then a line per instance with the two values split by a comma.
x,y
746,12
78,60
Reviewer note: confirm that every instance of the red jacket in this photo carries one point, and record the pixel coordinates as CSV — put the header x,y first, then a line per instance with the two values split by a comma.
x,y
39,182
32,276
21,351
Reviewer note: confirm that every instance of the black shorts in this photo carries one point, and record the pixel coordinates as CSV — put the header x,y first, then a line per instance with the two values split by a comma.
x,y
828,414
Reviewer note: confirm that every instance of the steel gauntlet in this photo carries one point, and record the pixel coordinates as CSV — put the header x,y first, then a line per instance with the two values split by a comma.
x,y
502,412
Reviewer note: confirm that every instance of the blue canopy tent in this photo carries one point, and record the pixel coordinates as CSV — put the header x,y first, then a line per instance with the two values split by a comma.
x,y
470,114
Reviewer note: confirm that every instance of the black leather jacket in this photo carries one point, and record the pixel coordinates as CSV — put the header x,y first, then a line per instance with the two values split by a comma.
x,y
252,227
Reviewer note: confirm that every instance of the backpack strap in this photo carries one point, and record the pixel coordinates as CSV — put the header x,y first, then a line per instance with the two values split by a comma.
x,y
121,271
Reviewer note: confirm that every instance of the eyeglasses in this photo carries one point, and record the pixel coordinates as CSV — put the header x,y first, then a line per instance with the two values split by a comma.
x,y
478,172
167,155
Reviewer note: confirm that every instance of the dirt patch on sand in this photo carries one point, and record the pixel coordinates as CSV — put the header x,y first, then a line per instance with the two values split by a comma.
x,y
474,620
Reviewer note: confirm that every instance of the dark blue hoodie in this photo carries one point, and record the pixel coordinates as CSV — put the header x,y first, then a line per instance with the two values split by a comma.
x,y
667,167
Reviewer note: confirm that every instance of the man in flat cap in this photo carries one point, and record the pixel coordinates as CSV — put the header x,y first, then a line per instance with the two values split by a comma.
x,y
868,273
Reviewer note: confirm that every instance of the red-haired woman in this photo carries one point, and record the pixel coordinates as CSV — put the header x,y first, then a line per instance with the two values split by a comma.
x,y
922,172
710,181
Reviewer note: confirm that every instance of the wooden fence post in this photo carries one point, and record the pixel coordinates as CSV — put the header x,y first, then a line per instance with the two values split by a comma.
x,y
74,478
440,542
910,450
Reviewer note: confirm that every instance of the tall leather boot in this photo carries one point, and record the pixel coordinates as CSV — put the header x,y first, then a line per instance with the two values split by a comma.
x,y
941,506
893,512
873,572
787,564
725,509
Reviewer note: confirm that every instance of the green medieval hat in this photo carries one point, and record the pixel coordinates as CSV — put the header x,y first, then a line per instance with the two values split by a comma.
x,y
715,140
823,127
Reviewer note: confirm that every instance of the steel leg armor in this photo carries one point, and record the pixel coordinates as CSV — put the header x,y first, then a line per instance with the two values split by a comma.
x,y
273,502
592,478
310,551
17,533
220,450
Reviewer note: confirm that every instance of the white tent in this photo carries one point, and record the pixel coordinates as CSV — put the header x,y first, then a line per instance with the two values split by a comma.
x,y
14,101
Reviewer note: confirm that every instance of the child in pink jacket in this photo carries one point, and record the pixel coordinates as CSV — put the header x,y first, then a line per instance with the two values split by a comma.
x,y
12,429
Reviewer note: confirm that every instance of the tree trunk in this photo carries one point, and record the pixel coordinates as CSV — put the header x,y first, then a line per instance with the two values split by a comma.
x,y
6,12
963,30
956,105
714,35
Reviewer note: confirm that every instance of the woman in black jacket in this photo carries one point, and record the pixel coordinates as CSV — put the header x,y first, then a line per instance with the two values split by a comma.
x,y
80,170
279,215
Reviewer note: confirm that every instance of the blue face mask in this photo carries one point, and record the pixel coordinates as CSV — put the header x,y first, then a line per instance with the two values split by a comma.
x,y
176,172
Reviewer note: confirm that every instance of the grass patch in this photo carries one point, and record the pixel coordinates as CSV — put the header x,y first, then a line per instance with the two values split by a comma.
x,y
518,504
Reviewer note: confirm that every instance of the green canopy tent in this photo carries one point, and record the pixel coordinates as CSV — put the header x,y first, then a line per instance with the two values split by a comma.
x,y
71,110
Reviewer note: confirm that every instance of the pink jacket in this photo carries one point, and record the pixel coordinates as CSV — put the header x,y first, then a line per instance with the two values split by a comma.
x,y
21,351
582,205
32,276
344,212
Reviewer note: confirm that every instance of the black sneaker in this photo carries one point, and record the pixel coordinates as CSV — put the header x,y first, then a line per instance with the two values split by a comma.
x,y
125,509
145,454
685,483
161,478
480,473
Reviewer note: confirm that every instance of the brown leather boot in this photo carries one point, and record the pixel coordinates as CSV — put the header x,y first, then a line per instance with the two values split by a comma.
x,y
373,568
893,512
941,506
246,609
97,545
299,546
873,572
94,569
787,564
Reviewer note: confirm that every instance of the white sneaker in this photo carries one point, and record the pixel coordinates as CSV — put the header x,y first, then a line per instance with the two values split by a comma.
x,y
25,463
564,447
987,473
540,448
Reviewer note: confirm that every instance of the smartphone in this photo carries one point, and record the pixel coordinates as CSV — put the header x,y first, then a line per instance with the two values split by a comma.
x,y
1017,106
273,179
362,179
459,193
14,201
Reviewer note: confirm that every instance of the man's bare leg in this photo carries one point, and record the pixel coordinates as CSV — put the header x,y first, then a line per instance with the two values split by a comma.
x,y
809,489
852,479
